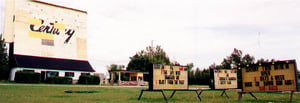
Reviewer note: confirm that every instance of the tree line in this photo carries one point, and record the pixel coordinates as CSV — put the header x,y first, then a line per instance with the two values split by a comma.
x,y
4,69
156,55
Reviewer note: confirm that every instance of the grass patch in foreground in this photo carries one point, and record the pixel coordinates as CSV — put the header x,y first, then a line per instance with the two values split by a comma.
x,y
56,94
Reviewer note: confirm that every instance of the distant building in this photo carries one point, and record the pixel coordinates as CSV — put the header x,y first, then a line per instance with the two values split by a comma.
x,y
46,38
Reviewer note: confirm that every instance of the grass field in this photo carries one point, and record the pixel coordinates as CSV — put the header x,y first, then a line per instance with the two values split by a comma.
x,y
20,93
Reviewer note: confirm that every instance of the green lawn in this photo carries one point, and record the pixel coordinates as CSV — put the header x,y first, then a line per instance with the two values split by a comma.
x,y
55,94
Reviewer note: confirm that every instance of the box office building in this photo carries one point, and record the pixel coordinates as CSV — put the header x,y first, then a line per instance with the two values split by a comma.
x,y
46,38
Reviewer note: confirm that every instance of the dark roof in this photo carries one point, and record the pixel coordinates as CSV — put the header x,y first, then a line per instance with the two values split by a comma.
x,y
51,63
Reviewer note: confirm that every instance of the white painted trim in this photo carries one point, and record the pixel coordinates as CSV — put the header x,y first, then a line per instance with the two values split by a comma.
x,y
38,70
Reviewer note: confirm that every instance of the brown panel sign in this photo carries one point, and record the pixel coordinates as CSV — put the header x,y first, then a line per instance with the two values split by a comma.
x,y
225,79
271,76
169,77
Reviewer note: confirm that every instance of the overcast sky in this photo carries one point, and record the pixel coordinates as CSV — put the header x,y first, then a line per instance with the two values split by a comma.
x,y
202,32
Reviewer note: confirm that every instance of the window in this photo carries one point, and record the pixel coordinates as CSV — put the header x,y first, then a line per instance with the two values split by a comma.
x,y
69,74
52,74
140,78
26,70
133,78
85,74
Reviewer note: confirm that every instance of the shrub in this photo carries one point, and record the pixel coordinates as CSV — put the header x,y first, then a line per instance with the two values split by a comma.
x,y
87,79
27,77
59,80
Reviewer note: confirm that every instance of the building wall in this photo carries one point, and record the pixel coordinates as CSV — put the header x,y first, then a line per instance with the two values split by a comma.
x,y
38,70
9,20
136,75
45,30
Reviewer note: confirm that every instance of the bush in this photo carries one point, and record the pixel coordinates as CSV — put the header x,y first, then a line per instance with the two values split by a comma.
x,y
27,77
87,79
59,80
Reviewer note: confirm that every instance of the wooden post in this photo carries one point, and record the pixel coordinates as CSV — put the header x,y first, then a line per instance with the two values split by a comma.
x,y
111,78
119,81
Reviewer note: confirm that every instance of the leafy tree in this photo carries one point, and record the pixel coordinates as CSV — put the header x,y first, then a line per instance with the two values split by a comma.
x,y
113,67
145,58
234,60
4,69
190,66
262,60
199,77
191,77
248,59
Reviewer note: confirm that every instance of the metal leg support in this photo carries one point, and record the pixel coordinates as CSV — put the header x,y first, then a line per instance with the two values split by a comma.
x,y
252,95
240,96
141,94
198,94
173,93
166,99
224,92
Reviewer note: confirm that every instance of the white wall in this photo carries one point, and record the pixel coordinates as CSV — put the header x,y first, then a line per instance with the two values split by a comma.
x,y
61,72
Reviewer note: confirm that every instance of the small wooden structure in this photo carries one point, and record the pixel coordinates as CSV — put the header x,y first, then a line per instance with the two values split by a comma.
x,y
137,77
112,72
